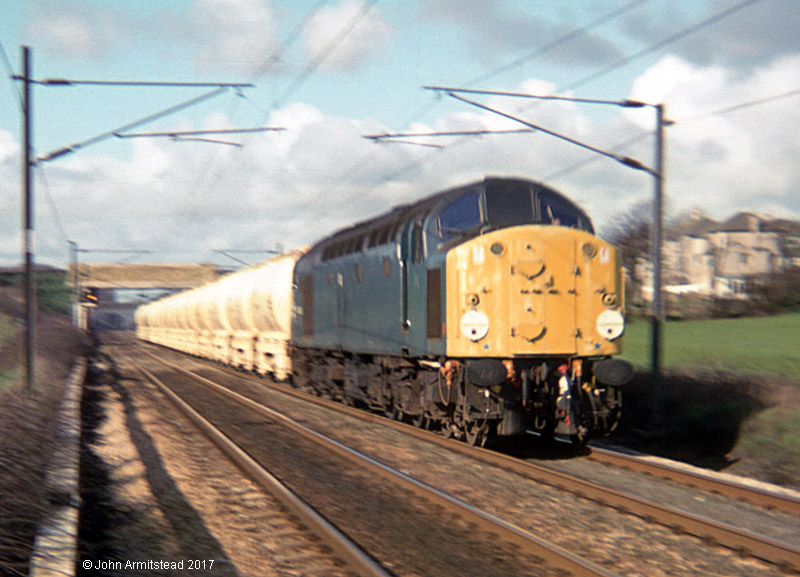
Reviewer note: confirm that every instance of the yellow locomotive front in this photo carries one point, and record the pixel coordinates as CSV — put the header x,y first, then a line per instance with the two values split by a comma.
x,y
544,301
547,302
532,291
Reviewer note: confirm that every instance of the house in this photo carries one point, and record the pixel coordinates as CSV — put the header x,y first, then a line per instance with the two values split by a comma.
x,y
723,259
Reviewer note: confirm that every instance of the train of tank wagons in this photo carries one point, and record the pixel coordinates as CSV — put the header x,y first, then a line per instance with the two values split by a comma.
x,y
485,311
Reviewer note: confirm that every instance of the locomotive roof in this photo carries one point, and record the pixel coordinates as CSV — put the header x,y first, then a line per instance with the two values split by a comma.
x,y
404,212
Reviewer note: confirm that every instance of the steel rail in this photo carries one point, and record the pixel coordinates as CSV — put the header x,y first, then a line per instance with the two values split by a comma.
x,y
770,500
554,555
770,550
348,551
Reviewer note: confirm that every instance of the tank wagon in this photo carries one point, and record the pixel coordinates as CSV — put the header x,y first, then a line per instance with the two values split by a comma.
x,y
486,310
242,319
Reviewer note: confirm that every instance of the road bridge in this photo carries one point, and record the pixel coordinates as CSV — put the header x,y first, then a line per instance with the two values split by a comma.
x,y
107,295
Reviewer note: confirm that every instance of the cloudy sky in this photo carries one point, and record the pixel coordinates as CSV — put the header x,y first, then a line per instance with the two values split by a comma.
x,y
329,73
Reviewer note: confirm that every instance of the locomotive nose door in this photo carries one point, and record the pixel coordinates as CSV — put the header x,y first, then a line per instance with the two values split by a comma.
x,y
543,293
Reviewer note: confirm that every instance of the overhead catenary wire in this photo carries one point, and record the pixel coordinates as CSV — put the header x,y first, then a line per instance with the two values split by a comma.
x,y
570,36
680,35
325,53
740,106
312,66
10,72
671,39
426,107
52,204
560,41
108,134
209,176
289,40
681,121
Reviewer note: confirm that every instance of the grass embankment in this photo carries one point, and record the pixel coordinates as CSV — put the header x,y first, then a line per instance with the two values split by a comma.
x,y
763,346
27,422
731,394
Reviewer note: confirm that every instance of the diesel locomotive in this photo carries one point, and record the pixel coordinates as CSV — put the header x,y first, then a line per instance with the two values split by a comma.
x,y
487,310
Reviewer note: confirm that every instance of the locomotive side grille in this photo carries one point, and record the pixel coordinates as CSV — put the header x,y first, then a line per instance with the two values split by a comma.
x,y
307,295
434,304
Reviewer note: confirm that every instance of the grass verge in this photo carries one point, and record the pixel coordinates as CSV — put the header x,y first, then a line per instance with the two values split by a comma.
x,y
763,346
27,427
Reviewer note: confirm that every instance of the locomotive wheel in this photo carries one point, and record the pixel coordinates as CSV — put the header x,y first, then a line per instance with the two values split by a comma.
x,y
477,433
391,411
448,429
579,440
420,421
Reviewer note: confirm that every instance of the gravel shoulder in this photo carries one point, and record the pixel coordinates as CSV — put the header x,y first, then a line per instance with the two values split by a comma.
x,y
155,490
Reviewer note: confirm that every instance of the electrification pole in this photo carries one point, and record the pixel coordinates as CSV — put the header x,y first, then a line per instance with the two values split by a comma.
x,y
29,161
28,241
658,304
657,234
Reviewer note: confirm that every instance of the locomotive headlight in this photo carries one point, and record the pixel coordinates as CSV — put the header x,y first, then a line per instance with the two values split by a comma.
x,y
497,249
610,324
609,299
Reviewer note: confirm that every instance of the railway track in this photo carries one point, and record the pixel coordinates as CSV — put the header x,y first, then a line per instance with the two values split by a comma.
x,y
355,559
771,500
770,550
223,523
521,552
783,502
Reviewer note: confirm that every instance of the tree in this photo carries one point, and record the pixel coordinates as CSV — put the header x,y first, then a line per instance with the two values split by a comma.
x,y
630,233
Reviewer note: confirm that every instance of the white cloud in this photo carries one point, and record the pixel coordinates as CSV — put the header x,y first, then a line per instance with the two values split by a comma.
x,y
185,199
77,28
238,34
720,155
345,36
9,147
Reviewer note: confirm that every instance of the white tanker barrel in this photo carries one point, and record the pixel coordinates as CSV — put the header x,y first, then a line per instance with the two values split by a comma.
x,y
243,318
216,302
269,310
212,307
205,315
178,311
238,291
269,307
193,319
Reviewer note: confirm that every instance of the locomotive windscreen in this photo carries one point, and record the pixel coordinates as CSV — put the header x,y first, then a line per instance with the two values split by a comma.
x,y
509,203
513,202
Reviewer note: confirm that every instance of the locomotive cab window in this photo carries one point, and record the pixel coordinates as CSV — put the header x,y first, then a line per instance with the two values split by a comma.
x,y
508,203
556,210
462,217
